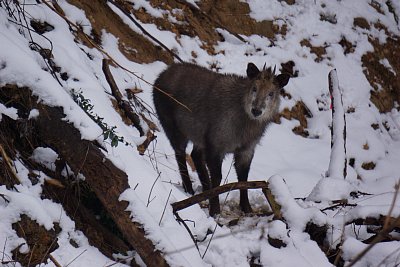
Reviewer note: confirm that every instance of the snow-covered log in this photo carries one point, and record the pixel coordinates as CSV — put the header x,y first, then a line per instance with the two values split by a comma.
x,y
106,180
338,161
295,216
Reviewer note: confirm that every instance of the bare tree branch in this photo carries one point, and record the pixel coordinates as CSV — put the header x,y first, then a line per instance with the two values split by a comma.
x,y
122,104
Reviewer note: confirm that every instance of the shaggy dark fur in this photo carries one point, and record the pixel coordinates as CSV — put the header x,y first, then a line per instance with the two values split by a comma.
x,y
228,114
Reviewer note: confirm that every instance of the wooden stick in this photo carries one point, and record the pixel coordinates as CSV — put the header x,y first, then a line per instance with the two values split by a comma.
x,y
276,208
122,104
54,261
217,191
8,164
180,220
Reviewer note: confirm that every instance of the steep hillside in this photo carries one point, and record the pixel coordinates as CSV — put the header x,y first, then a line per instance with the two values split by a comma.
x,y
88,177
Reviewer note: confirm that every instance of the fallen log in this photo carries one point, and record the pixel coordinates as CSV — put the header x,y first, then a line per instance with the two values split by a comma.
x,y
107,241
83,156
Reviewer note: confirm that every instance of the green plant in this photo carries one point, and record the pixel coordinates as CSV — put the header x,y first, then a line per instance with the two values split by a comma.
x,y
108,131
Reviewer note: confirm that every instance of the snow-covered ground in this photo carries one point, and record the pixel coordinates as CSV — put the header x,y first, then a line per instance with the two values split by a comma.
x,y
296,164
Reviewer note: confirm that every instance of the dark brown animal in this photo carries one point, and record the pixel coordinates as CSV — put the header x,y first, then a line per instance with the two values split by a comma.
x,y
227,114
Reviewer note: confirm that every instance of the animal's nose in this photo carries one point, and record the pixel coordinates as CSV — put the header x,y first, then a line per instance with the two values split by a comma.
x,y
256,112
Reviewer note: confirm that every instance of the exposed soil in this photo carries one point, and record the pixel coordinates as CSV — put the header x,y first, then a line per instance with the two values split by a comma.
x,y
319,51
384,80
347,46
231,15
133,45
187,21
182,18
298,112
368,165
234,15
41,242
362,23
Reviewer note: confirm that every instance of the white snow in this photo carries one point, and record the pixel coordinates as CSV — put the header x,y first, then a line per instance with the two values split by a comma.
x,y
331,189
387,65
9,112
294,166
33,114
45,156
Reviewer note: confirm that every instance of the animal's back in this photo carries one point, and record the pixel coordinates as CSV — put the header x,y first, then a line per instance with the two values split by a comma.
x,y
214,101
191,84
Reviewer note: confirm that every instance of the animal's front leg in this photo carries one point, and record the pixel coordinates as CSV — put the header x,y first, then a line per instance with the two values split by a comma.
x,y
243,160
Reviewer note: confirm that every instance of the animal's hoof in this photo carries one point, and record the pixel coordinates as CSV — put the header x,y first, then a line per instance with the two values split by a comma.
x,y
188,189
214,210
214,213
246,209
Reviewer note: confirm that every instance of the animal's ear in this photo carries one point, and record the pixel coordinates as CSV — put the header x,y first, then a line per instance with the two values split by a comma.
x,y
282,79
252,70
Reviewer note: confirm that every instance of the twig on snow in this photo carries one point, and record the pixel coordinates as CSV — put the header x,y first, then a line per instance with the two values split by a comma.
x,y
165,207
180,220
54,261
151,190
74,259
387,228
7,162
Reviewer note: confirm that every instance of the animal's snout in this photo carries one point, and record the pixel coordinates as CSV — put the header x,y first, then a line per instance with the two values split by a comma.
x,y
256,112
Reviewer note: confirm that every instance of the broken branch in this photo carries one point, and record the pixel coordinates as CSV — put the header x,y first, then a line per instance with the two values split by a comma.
x,y
217,191
122,104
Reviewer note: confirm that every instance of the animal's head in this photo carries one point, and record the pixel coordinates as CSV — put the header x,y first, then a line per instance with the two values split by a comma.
x,y
262,98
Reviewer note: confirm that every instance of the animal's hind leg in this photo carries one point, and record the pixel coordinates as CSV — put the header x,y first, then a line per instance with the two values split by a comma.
x,y
181,159
180,155
178,142
214,163
200,164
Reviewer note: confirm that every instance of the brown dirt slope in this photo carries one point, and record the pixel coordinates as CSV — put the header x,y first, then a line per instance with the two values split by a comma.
x,y
182,18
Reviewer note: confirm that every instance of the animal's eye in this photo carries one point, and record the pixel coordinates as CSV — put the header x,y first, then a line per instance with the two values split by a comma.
x,y
271,94
254,89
